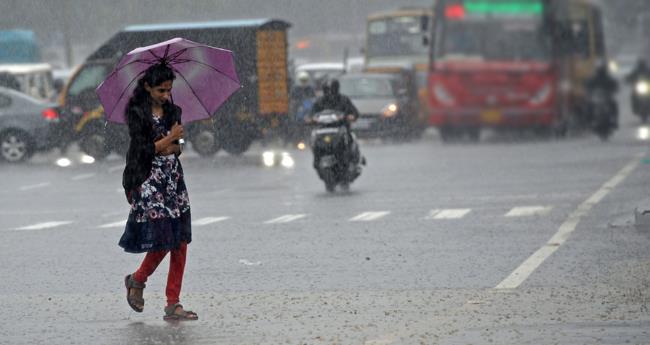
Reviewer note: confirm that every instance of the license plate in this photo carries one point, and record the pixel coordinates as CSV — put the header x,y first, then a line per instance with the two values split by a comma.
x,y
327,161
491,116
362,123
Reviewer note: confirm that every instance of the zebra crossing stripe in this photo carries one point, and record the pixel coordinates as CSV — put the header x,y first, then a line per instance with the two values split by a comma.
x,y
529,211
46,225
449,213
209,220
286,218
369,216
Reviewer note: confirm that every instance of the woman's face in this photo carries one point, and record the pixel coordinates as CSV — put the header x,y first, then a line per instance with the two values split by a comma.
x,y
160,94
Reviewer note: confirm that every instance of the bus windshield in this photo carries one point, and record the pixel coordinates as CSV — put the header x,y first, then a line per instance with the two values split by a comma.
x,y
493,40
396,36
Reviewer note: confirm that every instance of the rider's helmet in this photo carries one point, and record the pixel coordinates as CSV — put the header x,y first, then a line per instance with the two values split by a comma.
x,y
331,87
303,78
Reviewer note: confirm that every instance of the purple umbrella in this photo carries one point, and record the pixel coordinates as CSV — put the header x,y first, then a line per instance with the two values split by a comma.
x,y
205,78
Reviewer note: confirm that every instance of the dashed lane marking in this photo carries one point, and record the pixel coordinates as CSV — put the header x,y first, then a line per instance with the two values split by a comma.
x,y
35,186
46,225
117,224
369,216
209,220
449,213
82,177
519,275
286,218
528,211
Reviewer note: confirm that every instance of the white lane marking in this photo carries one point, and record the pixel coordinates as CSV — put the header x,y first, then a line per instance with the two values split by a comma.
x,y
115,168
519,275
209,220
286,218
449,214
369,216
35,186
46,225
527,211
248,263
117,224
82,177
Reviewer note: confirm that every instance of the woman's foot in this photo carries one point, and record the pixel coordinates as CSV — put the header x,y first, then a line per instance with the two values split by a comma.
x,y
134,293
175,312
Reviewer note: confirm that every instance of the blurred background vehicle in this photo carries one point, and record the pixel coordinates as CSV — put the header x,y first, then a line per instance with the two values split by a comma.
x,y
398,40
387,104
25,125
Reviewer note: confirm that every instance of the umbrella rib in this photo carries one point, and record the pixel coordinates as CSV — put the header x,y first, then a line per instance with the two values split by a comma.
x,y
118,69
189,86
209,66
124,92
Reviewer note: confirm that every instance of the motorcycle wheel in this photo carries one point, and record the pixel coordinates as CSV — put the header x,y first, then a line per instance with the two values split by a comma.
x,y
329,178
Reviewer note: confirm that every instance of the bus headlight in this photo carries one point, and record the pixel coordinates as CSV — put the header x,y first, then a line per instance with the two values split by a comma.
x,y
390,110
542,95
443,95
642,87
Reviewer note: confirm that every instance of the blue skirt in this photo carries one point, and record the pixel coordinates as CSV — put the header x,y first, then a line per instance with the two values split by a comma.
x,y
160,217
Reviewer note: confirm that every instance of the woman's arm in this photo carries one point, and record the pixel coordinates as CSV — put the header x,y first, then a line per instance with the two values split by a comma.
x,y
166,145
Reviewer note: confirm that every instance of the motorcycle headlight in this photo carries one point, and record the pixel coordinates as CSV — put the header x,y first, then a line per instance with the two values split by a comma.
x,y
542,95
642,87
390,110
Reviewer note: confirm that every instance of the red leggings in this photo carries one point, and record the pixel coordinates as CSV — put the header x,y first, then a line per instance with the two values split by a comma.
x,y
175,275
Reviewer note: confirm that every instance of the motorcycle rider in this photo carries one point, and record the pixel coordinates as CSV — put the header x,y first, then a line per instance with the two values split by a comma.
x,y
303,88
332,99
601,80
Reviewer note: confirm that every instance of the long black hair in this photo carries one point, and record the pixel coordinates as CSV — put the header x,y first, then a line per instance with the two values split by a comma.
x,y
153,76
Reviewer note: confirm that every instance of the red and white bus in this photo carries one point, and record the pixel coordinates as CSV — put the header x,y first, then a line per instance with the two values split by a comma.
x,y
492,66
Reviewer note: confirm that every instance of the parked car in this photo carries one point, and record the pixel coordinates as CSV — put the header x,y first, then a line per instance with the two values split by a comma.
x,y
25,125
387,104
33,79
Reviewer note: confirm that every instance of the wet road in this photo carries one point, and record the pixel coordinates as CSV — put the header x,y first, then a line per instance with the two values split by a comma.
x,y
508,242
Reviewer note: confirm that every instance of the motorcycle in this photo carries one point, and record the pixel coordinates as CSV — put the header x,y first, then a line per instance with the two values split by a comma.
x,y
337,159
641,99
603,113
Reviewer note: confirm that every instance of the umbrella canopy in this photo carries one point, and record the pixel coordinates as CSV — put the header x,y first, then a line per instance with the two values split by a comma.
x,y
205,78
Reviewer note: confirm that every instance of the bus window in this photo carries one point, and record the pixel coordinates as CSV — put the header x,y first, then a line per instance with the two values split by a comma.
x,y
397,36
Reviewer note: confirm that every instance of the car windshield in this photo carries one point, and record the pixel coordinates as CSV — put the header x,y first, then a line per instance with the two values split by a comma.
x,y
88,79
519,40
367,87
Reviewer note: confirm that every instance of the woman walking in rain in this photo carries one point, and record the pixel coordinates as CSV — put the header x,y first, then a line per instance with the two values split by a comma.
x,y
159,220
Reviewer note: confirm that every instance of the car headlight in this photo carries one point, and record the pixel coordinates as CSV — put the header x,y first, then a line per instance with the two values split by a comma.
x,y
642,87
542,95
390,110
443,95
613,66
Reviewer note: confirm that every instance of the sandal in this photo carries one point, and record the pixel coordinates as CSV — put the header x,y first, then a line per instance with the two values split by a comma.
x,y
184,315
136,301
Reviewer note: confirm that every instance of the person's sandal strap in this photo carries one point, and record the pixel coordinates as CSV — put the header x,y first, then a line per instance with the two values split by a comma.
x,y
134,284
